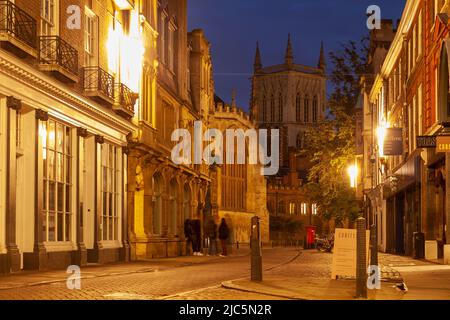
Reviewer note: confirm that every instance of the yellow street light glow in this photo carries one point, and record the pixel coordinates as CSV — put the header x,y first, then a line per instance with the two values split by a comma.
x,y
126,51
381,136
123,4
353,174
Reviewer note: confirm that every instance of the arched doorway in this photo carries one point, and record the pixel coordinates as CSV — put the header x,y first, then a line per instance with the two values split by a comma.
x,y
173,208
157,187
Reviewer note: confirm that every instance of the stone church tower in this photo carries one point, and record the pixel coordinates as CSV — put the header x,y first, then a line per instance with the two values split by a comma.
x,y
290,97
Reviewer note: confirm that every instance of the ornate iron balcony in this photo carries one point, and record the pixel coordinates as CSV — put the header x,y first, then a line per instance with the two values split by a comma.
x,y
55,54
98,83
17,23
125,101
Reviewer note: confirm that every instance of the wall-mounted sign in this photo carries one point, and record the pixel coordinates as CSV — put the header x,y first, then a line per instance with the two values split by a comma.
x,y
426,142
443,144
393,143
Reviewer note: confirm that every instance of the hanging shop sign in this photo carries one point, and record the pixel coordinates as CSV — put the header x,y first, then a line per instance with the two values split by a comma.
x,y
393,143
443,144
426,141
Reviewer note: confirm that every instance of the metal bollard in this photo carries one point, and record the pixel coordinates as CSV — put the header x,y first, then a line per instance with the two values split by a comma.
x,y
256,256
361,268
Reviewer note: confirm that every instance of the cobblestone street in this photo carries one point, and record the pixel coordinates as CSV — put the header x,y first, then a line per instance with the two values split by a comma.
x,y
288,274
162,281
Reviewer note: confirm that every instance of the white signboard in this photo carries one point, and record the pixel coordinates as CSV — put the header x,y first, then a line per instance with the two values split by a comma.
x,y
344,253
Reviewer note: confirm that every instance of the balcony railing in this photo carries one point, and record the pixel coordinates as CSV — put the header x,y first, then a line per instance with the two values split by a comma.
x,y
16,22
125,101
56,52
98,82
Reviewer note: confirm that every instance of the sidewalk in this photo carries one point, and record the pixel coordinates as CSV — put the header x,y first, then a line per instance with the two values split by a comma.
x,y
34,278
295,283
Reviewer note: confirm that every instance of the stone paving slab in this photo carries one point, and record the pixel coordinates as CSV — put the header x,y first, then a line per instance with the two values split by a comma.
x,y
311,289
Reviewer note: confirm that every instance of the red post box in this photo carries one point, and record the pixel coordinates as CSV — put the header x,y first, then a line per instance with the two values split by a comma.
x,y
310,236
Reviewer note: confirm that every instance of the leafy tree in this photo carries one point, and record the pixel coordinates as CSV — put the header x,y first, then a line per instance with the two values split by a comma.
x,y
331,143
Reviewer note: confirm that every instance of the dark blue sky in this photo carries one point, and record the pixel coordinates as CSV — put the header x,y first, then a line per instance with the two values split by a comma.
x,y
234,26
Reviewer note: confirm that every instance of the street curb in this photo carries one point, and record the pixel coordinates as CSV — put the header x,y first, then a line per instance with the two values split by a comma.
x,y
232,286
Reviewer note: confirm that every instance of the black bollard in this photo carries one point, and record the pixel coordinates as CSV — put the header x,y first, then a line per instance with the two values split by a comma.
x,y
256,256
361,268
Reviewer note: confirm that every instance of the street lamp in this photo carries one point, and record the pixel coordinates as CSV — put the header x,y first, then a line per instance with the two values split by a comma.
x,y
353,174
381,136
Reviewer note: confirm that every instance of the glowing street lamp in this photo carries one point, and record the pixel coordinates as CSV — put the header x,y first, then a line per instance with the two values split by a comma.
x,y
353,174
381,136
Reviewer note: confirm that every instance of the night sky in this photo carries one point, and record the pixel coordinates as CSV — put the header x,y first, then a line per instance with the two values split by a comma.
x,y
234,26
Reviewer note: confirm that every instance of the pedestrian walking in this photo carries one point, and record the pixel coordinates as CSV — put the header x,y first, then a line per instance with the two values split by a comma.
x,y
211,236
188,235
196,237
224,232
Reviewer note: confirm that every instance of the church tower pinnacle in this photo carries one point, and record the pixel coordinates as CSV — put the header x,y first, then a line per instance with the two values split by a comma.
x,y
289,57
258,64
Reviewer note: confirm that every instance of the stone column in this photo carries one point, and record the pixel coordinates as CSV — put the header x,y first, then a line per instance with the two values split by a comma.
x,y
125,252
13,255
96,255
38,259
81,254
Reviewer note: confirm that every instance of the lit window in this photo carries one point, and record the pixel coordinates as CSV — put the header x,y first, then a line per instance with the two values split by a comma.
x,y
48,14
304,208
314,209
90,29
110,191
291,208
57,181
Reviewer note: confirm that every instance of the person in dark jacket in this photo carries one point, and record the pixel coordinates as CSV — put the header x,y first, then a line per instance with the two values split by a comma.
x,y
188,235
211,236
224,232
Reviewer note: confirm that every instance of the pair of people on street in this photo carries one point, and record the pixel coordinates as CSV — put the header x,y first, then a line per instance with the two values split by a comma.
x,y
192,235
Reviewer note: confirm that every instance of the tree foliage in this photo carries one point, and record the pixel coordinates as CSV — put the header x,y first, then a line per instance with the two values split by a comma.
x,y
331,143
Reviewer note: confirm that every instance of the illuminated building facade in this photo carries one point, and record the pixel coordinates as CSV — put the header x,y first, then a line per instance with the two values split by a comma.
x,y
66,107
